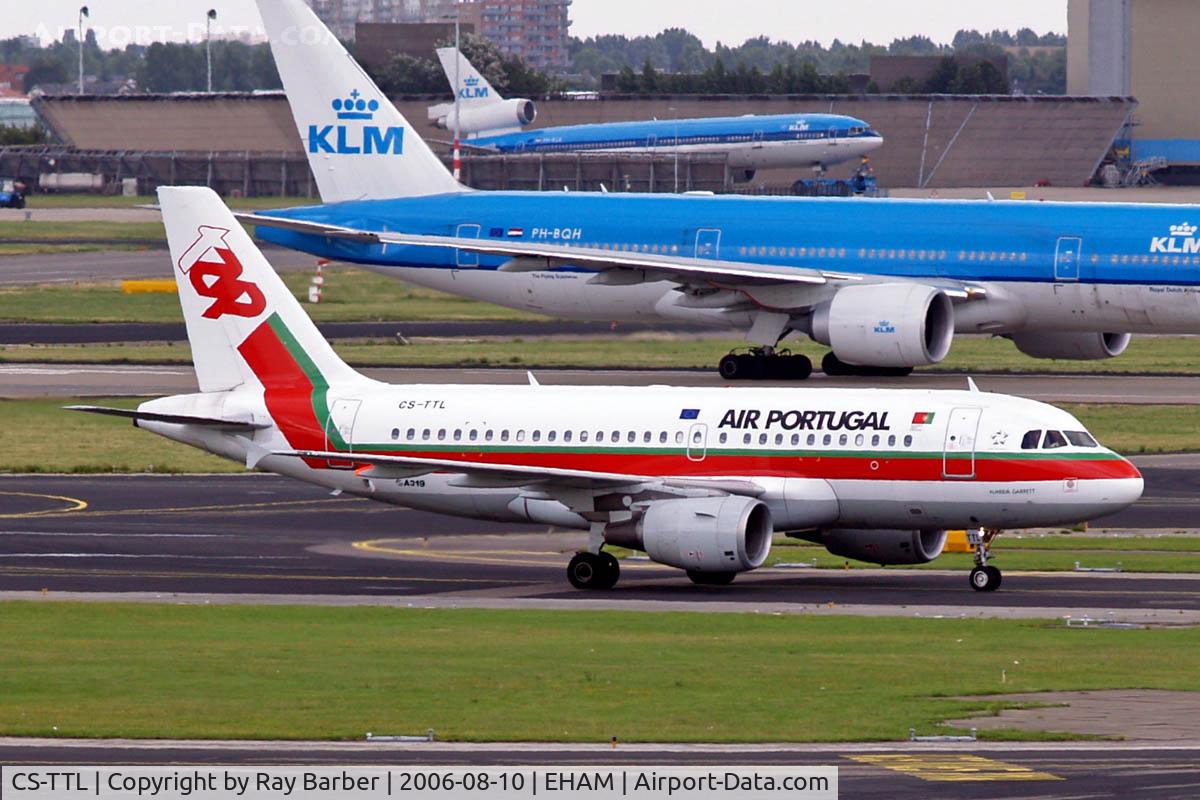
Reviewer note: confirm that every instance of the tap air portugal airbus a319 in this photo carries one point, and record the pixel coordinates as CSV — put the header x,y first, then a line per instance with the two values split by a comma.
x,y
699,479
885,283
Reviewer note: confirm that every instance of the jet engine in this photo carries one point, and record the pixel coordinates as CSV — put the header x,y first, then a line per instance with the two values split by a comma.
x,y
703,535
886,324
1075,346
486,119
882,547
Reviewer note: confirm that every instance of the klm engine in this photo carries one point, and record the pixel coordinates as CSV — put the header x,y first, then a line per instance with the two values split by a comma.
x,y
703,535
490,118
1075,346
886,325
882,547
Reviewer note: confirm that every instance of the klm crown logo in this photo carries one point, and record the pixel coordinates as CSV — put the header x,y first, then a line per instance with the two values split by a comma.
x,y
1182,240
471,89
355,139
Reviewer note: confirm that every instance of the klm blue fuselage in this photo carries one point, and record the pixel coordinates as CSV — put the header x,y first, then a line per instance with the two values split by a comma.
x,y
1110,243
695,134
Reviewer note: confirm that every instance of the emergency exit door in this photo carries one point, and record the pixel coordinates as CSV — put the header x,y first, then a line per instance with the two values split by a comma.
x,y
1067,257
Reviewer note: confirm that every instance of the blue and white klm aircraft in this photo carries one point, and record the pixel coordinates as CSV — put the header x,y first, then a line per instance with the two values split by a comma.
x,y
885,283
750,142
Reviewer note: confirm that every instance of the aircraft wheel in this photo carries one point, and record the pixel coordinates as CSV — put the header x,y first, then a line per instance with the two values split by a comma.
x,y
985,579
730,367
833,366
586,571
711,578
610,570
799,367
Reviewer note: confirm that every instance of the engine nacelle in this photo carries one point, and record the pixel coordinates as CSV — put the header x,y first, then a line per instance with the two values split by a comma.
x,y
703,534
883,547
1075,346
886,324
485,119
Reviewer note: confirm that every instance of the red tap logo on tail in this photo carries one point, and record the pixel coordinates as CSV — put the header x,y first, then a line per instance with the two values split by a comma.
x,y
215,272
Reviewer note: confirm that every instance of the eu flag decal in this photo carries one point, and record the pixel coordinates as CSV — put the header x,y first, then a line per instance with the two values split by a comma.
x,y
689,413
496,232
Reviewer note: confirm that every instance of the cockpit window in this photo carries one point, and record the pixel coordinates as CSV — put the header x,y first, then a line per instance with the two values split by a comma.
x,y
1080,439
1030,440
1053,439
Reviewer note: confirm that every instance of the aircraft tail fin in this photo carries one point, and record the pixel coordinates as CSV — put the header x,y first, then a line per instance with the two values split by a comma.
x,y
469,84
358,144
243,323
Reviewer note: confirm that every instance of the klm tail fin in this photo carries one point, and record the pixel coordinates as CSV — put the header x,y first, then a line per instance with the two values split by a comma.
x,y
358,145
469,84
243,324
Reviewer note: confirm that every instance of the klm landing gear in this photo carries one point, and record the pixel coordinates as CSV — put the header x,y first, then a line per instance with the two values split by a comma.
x,y
984,578
593,571
834,367
765,363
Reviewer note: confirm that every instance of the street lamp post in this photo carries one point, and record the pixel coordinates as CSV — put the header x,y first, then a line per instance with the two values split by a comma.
x,y
212,14
83,12
457,92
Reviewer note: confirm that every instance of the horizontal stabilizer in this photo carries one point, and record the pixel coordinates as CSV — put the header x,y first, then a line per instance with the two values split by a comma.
x,y
175,419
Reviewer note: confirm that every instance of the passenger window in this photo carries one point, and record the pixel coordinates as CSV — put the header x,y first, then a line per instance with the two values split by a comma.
x,y
1053,440
908,441
520,435
678,437
762,438
662,437
395,433
583,436
843,439
646,437
631,437
875,440
551,436
504,435
412,434
441,434
1081,439
536,436
778,438
795,439
567,436
1030,440
724,437
616,437
425,434
697,438
473,435
599,436
858,440
746,438
812,439
892,440
458,434
487,436
827,439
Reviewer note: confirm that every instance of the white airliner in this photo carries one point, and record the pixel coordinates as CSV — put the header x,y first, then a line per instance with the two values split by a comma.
x,y
699,479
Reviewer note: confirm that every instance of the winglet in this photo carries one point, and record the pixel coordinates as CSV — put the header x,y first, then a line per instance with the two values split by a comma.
x,y
971,387
532,380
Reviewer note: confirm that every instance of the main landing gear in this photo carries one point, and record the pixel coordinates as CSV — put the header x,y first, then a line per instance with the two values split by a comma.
x,y
984,578
593,571
765,363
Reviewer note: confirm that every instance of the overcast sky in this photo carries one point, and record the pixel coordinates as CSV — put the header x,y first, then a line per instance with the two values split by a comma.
x,y
729,21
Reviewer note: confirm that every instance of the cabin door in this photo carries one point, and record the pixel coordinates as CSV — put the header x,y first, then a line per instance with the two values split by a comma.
x,y
466,259
958,458
339,429
1067,257
757,140
708,243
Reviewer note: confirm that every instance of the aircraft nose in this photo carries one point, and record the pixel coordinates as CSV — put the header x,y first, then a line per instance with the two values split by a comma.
x,y
1122,490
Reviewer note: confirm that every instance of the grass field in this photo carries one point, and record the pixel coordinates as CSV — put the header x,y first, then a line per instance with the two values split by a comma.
x,y
41,437
349,295
1048,552
98,670
55,231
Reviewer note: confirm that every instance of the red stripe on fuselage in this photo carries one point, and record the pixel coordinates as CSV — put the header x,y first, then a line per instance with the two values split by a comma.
x,y
288,392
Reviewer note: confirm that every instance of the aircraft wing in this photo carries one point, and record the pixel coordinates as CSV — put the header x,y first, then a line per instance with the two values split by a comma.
x,y
629,266
531,256
479,474
175,419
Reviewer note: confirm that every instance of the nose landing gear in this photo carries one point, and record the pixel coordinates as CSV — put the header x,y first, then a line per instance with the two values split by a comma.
x,y
984,577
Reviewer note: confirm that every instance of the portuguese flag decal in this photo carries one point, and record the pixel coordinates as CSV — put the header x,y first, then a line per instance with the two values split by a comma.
x,y
922,418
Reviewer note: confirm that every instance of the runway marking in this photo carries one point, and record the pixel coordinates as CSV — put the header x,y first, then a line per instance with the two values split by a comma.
x,y
74,503
952,767
115,573
476,556
243,507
